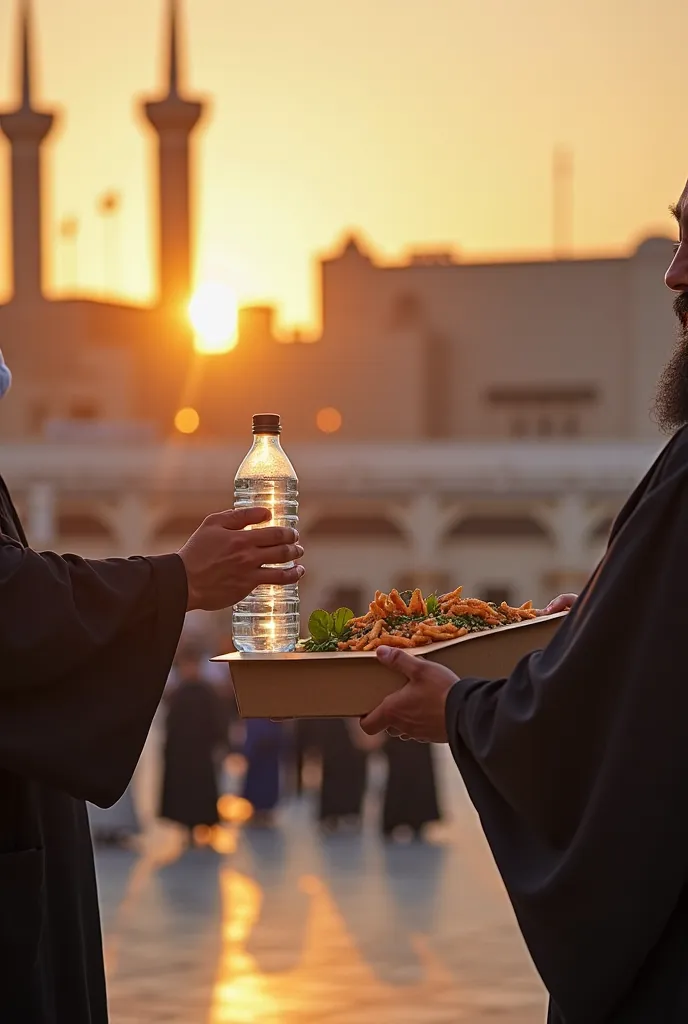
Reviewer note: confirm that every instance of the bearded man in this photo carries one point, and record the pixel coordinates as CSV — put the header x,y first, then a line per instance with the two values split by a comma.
x,y
578,762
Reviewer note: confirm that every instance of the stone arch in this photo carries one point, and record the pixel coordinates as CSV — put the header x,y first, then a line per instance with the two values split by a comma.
x,y
599,531
183,524
82,526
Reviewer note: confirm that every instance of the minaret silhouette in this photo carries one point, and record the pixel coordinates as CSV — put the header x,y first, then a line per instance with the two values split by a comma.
x,y
26,128
174,118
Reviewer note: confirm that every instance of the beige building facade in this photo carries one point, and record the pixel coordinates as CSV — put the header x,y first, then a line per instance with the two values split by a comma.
x,y
454,422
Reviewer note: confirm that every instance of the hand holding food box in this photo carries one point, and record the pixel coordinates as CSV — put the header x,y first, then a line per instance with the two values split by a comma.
x,y
335,672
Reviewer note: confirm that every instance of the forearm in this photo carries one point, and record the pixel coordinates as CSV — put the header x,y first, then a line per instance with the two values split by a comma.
x,y
60,611
83,731
462,701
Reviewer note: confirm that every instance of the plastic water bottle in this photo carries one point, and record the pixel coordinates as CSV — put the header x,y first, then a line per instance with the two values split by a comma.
x,y
268,619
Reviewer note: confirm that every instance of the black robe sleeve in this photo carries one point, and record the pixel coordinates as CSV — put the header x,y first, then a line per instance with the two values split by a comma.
x,y
85,649
577,764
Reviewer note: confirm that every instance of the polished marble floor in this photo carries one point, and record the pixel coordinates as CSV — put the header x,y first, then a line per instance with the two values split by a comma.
x,y
286,927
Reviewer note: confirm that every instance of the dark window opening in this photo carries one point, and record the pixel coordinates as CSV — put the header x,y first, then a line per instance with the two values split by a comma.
x,y
519,428
405,311
83,411
82,525
346,597
39,414
498,526
562,394
354,526
178,526
496,593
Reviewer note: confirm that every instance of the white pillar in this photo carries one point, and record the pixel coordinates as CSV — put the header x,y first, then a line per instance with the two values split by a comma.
x,y
570,520
40,518
131,519
425,522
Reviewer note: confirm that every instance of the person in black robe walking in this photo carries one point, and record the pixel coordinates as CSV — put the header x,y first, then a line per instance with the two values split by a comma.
x,y
344,773
195,729
410,799
85,650
578,762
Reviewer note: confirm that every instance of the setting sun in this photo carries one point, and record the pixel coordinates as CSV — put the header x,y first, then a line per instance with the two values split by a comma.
x,y
213,315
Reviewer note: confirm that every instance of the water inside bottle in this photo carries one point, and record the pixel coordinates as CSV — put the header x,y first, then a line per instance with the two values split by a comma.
x,y
268,619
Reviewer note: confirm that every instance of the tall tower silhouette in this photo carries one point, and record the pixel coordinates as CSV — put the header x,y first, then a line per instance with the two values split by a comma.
x,y
174,118
26,128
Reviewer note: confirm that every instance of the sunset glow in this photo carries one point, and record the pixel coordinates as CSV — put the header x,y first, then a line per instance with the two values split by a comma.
x,y
422,124
213,314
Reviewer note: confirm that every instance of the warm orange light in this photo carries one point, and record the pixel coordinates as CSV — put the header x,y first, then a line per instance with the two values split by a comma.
x,y
202,835
213,312
234,809
223,840
187,420
329,420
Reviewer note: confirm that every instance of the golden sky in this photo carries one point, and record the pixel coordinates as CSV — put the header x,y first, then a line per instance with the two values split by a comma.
x,y
421,122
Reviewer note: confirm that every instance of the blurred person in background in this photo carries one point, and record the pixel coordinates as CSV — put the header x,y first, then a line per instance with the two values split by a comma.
x,y
221,679
195,740
263,749
86,646
410,798
304,745
344,751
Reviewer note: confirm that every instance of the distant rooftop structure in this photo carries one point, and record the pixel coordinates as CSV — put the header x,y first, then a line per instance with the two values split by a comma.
x,y
433,258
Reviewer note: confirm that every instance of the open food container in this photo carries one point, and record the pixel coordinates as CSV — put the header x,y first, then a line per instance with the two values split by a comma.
x,y
347,684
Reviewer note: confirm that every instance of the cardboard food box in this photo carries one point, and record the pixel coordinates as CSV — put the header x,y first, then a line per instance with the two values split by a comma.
x,y
348,684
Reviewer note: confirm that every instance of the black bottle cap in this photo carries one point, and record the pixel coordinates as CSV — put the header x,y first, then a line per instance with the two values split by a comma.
x,y
267,423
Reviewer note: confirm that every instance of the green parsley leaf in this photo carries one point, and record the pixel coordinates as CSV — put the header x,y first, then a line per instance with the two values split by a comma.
x,y
339,621
320,625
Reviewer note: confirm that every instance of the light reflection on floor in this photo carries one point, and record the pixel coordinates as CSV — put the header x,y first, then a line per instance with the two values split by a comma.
x,y
284,927
244,994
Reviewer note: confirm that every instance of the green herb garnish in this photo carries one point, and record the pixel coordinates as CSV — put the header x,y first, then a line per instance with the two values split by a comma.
x,y
327,630
474,623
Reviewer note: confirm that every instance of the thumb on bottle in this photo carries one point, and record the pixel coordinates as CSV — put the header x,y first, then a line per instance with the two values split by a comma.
x,y
237,519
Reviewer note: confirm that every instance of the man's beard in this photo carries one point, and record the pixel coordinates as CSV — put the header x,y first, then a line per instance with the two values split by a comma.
x,y
671,401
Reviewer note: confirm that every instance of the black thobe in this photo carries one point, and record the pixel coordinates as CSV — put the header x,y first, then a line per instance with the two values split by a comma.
x,y
578,767
410,793
344,771
195,732
85,650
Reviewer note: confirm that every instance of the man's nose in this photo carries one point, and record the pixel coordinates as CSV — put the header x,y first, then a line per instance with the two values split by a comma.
x,y
677,275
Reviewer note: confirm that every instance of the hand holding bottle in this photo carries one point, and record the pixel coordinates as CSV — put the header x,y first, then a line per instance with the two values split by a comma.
x,y
224,562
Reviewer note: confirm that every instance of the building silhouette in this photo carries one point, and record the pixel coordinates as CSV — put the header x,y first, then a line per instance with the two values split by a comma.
x,y
174,118
89,360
